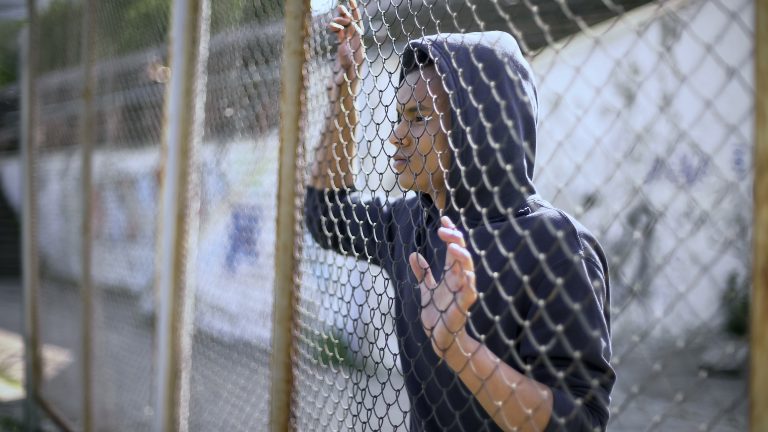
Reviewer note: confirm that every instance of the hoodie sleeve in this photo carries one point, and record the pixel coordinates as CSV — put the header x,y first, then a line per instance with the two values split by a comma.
x,y
567,344
342,222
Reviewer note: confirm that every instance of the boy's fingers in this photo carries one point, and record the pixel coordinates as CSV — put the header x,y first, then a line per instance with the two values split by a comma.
x,y
341,22
340,37
335,27
460,256
338,29
451,235
343,26
420,268
424,276
343,10
353,17
470,275
339,26
355,9
469,294
447,222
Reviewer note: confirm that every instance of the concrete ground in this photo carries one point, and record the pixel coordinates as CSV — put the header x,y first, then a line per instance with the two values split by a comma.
x,y
661,387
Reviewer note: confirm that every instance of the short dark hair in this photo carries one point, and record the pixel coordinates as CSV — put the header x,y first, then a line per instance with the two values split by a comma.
x,y
414,59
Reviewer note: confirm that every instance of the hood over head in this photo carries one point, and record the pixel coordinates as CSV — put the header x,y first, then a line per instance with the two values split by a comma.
x,y
494,111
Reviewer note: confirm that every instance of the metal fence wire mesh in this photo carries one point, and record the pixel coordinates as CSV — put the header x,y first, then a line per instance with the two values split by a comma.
x,y
638,118
230,359
127,111
57,178
128,127
514,214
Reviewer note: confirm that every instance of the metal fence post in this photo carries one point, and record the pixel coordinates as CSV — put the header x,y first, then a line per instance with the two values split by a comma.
x,y
291,89
180,202
86,142
758,399
30,269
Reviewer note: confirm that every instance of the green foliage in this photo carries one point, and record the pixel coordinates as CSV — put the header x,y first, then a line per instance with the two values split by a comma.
x,y
125,26
9,51
229,14
8,424
333,350
736,303
59,35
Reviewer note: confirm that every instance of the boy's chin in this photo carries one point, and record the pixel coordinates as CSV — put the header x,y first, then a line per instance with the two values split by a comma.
x,y
406,183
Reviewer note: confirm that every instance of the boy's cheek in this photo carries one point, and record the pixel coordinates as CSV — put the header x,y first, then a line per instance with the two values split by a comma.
x,y
434,128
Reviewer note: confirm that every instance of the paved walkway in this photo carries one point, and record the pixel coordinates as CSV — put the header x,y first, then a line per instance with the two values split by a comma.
x,y
660,388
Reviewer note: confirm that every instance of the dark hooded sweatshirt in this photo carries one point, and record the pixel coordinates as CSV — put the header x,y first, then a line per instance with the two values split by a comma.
x,y
542,278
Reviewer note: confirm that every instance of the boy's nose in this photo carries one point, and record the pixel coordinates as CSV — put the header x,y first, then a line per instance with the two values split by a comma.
x,y
399,134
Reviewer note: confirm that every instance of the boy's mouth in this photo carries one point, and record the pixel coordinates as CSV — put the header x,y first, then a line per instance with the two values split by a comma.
x,y
399,163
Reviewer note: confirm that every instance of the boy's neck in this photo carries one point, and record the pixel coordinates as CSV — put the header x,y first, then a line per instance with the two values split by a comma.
x,y
439,198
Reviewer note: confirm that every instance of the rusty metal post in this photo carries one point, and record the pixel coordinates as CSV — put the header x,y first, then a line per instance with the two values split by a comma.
x,y
87,115
179,208
30,268
758,398
291,91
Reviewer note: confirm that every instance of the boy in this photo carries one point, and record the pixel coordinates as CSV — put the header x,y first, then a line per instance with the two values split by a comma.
x,y
501,300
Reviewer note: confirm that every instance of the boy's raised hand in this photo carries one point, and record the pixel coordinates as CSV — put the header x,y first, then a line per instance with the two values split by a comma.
x,y
348,27
445,304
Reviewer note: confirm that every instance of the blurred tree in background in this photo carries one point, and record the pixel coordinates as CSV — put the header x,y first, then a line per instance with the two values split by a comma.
x,y
9,51
126,26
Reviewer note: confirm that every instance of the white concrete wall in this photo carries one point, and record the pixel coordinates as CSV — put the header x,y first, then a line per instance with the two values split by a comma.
x,y
652,110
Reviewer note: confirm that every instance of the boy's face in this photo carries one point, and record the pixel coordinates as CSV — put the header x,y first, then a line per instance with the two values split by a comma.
x,y
422,155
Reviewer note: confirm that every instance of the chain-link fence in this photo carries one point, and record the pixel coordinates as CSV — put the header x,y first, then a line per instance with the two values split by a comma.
x,y
440,281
